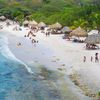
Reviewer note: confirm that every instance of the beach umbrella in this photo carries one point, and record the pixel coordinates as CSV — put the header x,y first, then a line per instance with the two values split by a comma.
x,y
26,23
56,26
51,26
9,21
79,32
2,18
33,23
66,29
93,32
41,24
93,39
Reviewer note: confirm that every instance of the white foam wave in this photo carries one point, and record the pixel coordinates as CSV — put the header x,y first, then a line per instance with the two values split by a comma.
x,y
5,51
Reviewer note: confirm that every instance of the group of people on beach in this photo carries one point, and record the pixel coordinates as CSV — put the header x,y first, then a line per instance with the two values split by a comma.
x,y
33,30
91,59
31,36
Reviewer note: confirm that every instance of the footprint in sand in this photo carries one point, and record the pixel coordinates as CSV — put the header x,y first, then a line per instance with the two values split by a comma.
x,y
36,61
43,53
63,65
53,56
61,69
54,61
58,59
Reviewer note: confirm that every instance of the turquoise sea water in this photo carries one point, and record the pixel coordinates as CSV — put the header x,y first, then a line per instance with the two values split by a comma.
x,y
16,83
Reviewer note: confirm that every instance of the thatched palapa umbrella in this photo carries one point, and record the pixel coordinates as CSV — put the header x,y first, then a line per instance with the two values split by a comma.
x,y
93,39
33,23
66,29
93,32
79,32
8,20
56,26
2,18
26,23
41,24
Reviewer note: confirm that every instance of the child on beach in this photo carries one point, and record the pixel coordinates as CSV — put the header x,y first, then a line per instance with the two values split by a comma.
x,y
91,58
84,60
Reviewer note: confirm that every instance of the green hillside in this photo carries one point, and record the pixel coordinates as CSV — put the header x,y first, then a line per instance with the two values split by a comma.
x,y
73,13
39,3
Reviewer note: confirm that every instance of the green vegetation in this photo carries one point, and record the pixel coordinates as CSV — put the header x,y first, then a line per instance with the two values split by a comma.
x,y
73,13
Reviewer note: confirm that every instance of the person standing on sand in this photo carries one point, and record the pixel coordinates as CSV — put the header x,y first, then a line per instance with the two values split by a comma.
x,y
91,58
96,57
84,60
46,33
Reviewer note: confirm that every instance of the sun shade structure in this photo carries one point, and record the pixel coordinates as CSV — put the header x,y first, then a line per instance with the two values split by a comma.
x,y
93,39
56,26
41,24
93,32
79,32
33,23
8,20
2,18
26,23
66,29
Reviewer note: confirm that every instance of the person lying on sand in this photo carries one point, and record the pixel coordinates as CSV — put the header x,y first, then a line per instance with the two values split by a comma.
x,y
19,44
33,35
33,40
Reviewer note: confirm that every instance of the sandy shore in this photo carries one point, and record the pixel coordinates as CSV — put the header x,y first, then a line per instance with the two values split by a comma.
x,y
57,54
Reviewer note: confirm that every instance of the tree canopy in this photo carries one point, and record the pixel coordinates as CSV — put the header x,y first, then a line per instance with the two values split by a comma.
x,y
73,13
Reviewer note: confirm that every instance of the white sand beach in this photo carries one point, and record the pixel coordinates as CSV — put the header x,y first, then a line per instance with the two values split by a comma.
x,y
58,54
